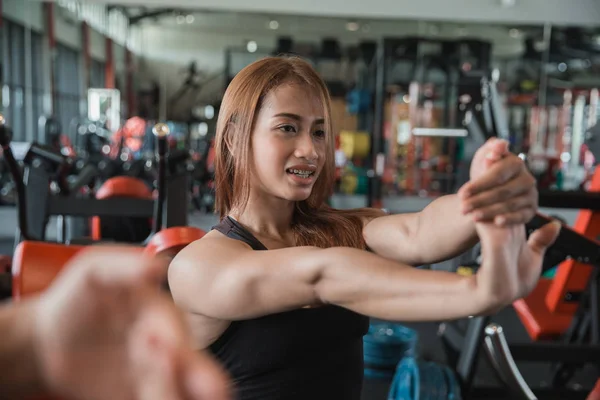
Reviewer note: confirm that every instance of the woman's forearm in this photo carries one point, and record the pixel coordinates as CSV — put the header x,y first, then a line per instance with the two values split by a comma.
x,y
439,232
444,232
20,374
381,288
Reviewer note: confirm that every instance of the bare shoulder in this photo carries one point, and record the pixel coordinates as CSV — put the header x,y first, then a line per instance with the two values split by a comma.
x,y
213,248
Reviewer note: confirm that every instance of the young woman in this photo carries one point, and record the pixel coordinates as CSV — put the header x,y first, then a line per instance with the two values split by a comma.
x,y
281,290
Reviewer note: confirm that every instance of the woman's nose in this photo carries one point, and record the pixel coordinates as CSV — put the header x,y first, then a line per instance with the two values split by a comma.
x,y
305,147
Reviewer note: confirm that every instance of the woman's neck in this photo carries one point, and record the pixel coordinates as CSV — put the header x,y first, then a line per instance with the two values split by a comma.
x,y
274,220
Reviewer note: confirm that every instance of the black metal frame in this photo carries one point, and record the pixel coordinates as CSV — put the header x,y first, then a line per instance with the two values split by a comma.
x,y
41,204
36,204
575,199
448,61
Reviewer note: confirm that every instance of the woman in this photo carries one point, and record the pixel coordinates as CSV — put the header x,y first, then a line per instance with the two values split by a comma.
x,y
281,290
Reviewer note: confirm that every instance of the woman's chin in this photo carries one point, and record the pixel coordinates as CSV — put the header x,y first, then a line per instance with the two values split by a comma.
x,y
298,195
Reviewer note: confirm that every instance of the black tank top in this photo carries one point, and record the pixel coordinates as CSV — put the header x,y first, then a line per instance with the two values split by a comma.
x,y
305,354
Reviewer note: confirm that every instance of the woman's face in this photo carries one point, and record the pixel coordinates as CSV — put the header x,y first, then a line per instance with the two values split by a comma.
x,y
289,143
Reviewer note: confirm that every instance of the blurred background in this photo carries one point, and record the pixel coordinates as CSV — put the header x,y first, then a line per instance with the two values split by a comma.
x,y
391,67
117,67
417,87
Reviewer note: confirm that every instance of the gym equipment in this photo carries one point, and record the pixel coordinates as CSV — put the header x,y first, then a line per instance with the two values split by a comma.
x,y
565,306
390,353
36,265
105,105
36,262
384,346
419,165
50,134
354,144
37,204
5,278
170,241
569,354
133,229
423,380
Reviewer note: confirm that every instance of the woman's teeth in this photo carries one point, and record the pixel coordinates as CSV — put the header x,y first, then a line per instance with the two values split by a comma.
x,y
300,173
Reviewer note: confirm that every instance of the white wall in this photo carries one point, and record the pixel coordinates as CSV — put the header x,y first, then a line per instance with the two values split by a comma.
x,y
119,57
26,14
67,29
68,32
97,45
577,12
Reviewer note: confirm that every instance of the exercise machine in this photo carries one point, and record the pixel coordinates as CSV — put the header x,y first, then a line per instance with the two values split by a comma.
x,y
37,262
117,200
561,315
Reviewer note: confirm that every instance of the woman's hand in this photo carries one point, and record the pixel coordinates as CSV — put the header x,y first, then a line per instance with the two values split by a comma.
x,y
501,188
511,264
105,331
517,263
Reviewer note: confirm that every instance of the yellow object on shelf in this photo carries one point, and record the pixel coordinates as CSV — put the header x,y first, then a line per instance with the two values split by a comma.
x,y
355,143
349,182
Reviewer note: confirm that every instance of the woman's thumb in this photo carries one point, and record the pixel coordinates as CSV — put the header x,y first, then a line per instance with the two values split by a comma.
x,y
543,237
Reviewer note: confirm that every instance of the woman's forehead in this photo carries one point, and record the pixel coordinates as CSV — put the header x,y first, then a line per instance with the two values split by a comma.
x,y
295,99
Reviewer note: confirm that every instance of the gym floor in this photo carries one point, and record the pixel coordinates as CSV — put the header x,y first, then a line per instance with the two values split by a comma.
x,y
429,345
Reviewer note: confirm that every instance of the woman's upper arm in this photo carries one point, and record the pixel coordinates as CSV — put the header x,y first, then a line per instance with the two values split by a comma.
x,y
226,279
394,237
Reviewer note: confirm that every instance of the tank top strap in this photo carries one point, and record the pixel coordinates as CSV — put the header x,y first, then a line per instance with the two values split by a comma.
x,y
234,230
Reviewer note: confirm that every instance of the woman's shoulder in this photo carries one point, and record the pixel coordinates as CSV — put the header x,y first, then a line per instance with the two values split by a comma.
x,y
213,244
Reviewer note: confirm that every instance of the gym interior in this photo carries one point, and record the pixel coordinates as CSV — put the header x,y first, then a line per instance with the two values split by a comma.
x,y
109,111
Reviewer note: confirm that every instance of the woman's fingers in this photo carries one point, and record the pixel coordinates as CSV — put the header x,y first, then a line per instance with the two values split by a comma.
x,y
544,237
153,370
203,378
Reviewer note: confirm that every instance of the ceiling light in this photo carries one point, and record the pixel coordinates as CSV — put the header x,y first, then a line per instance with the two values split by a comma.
x,y
273,24
180,19
251,46
562,67
514,33
209,112
352,26
189,19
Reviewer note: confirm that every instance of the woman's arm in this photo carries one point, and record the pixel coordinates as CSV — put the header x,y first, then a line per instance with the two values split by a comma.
x,y
224,279
19,365
437,233
501,190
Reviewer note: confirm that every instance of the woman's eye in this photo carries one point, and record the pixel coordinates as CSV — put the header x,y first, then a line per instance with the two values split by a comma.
x,y
287,128
320,134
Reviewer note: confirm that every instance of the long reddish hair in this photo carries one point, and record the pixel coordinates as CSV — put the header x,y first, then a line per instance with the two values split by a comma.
x,y
314,222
